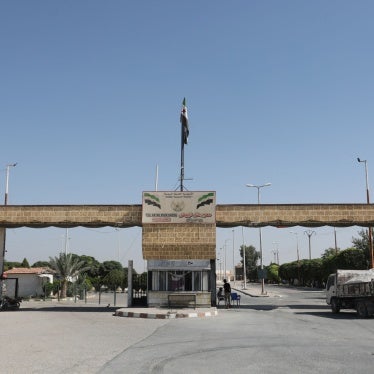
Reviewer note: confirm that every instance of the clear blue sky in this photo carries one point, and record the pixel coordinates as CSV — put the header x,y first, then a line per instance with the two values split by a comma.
x,y
277,91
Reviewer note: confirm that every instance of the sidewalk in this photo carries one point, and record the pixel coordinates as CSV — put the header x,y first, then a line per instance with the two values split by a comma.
x,y
253,290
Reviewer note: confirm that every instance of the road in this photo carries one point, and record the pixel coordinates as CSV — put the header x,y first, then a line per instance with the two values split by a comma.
x,y
291,331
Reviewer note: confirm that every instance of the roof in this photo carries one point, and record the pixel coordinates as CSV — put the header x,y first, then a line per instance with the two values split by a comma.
x,y
37,271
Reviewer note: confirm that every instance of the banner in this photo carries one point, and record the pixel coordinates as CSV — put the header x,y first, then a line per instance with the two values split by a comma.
x,y
179,207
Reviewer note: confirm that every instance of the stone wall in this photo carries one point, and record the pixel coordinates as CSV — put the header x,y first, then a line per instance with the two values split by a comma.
x,y
179,241
70,215
229,215
288,215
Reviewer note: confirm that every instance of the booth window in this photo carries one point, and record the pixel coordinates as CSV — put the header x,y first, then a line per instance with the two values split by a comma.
x,y
180,280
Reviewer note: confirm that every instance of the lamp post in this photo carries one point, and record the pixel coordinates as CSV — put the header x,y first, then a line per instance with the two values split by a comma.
x,y
233,253
370,236
7,182
2,255
220,262
227,240
244,263
276,252
297,252
335,242
310,233
261,263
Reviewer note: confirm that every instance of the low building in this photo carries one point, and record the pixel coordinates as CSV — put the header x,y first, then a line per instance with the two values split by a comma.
x,y
27,282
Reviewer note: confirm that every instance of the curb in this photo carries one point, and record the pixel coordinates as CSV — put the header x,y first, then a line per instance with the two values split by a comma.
x,y
167,315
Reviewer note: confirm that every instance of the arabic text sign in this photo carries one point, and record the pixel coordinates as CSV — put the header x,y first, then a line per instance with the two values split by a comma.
x,y
179,207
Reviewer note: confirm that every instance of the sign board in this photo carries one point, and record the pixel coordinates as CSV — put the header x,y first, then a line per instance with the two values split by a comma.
x,y
179,207
262,274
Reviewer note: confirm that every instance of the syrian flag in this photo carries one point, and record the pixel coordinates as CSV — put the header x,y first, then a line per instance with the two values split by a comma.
x,y
184,122
206,199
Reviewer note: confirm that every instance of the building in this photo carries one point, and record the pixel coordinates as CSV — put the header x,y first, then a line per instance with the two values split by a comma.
x,y
27,282
179,245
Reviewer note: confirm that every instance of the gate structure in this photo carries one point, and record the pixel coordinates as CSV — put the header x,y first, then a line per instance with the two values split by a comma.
x,y
192,239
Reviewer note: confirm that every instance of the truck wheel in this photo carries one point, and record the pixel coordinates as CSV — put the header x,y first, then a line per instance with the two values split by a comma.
x,y
335,307
361,309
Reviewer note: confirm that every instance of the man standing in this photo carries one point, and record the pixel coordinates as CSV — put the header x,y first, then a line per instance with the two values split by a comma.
x,y
227,289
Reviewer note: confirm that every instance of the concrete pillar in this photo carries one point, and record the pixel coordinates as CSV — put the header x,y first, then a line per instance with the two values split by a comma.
x,y
213,282
2,249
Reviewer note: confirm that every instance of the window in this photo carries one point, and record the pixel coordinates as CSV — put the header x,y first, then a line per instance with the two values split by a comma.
x,y
330,281
180,280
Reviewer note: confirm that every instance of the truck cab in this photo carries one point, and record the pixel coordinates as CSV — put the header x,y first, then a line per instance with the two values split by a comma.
x,y
331,293
351,289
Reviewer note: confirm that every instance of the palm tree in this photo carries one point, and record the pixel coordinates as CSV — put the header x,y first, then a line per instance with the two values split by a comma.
x,y
67,266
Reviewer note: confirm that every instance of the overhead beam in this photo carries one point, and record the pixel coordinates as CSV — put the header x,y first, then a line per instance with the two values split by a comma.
x,y
227,215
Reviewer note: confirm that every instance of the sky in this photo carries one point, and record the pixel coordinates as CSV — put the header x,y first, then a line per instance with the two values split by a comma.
x,y
277,92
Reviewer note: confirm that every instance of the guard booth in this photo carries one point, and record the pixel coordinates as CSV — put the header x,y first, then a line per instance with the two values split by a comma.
x,y
178,242
190,280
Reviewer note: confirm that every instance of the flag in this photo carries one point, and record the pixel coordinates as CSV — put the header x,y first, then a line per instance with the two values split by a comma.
x,y
206,199
184,122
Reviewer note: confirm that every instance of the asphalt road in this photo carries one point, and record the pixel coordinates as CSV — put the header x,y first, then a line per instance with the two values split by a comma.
x,y
291,331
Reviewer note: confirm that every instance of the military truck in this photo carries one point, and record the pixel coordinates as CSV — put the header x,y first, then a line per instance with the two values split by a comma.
x,y
351,289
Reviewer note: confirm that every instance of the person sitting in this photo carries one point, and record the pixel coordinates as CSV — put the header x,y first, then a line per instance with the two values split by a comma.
x,y
220,296
227,288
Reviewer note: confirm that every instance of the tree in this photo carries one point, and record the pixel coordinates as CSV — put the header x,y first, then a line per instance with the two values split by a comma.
x,y
114,279
363,244
10,265
290,271
273,273
41,264
328,252
92,264
68,266
107,266
350,258
25,263
311,272
251,259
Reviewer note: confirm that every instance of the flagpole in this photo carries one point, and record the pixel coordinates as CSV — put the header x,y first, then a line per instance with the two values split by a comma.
x,y
182,158
184,138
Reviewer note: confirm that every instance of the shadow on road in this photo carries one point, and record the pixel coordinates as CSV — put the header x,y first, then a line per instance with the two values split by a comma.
x,y
268,307
71,308
328,314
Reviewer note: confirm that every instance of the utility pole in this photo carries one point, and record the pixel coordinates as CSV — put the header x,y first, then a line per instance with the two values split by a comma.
x,y
370,234
310,233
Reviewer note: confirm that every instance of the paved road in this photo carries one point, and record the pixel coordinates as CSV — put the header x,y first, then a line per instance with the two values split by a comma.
x,y
291,331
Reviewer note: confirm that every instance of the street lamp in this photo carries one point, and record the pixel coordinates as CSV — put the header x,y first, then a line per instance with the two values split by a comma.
x,y
219,274
7,182
227,240
261,263
244,263
276,252
233,253
370,236
297,252
310,233
2,255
